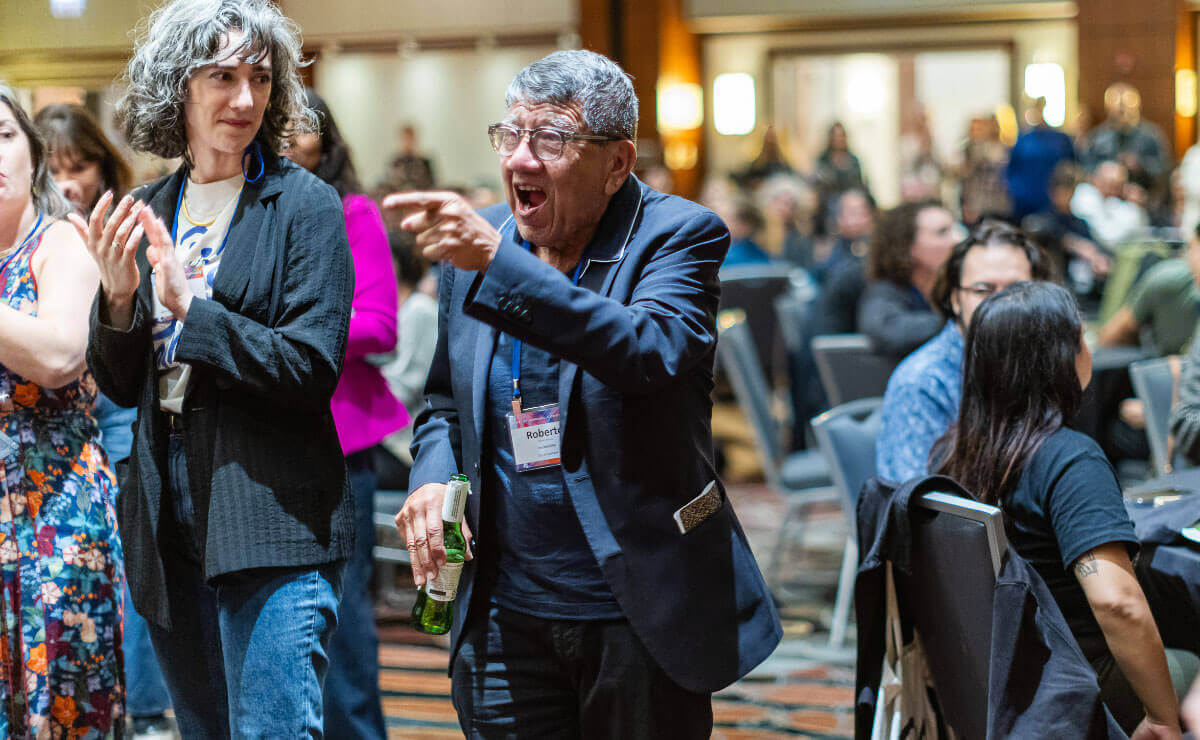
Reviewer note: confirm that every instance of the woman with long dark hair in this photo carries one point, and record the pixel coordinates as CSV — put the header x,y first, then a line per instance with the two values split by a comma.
x,y
226,327
365,411
1024,369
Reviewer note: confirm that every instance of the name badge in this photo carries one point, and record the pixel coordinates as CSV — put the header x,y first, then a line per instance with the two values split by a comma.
x,y
535,438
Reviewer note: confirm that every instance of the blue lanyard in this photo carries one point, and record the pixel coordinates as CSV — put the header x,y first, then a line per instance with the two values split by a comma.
x,y
516,347
24,241
175,226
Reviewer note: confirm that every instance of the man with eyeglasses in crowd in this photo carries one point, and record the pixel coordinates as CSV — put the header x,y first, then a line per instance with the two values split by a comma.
x,y
923,394
611,589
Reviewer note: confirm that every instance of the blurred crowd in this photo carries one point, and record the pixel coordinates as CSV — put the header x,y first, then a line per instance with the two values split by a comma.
x,y
1107,204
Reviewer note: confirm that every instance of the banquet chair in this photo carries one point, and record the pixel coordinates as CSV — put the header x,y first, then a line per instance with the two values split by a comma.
x,y
850,368
802,477
846,437
1155,387
958,549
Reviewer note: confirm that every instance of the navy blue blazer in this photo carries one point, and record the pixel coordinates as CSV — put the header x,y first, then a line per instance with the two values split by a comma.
x,y
637,339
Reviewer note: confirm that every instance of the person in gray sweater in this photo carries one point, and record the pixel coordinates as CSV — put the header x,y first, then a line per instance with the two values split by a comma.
x,y
911,244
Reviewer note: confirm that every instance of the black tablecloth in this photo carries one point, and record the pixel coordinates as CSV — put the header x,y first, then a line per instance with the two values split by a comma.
x,y
1182,481
1168,566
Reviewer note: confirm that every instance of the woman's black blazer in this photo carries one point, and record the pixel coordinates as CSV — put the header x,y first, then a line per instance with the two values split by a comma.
x,y
267,475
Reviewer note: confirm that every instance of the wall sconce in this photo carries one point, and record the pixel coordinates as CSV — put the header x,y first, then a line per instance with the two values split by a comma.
x,y
1185,92
1047,80
680,106
681,155
733,104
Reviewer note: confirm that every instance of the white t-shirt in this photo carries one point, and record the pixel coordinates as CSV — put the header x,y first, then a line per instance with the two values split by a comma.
x,y
202,223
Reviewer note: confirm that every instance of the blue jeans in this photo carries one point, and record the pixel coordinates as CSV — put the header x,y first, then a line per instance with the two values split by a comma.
x,y
246,653
145,688
352,705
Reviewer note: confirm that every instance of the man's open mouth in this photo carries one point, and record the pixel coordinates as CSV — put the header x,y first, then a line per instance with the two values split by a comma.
x,y
529,198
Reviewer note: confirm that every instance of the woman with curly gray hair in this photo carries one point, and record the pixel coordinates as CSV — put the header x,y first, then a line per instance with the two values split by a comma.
x,y
222,316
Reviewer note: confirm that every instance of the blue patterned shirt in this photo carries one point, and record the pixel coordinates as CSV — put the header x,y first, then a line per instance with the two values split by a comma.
x,y
920,404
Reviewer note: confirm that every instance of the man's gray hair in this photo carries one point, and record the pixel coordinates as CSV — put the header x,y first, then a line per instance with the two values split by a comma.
x,y
185,35
47,196
591,80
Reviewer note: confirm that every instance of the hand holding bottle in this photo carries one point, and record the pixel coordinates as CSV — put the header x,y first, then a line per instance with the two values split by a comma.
x,y
420,524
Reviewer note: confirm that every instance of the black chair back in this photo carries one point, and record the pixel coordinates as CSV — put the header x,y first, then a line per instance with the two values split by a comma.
x,y
753,289
957,552
850,368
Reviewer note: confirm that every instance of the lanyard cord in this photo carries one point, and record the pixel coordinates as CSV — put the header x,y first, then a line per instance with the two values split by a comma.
x,y
516,347
175,225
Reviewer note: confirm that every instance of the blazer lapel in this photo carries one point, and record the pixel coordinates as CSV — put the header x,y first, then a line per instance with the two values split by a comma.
x,y
604,256
485,345
244,243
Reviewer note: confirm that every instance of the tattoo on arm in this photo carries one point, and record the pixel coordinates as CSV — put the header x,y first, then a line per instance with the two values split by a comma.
x,y
1086,565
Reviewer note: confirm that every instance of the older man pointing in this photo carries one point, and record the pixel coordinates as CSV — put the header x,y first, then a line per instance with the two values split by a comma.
x,y
612,590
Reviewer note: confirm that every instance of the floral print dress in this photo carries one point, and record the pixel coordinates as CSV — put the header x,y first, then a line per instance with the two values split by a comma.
x,y
61,567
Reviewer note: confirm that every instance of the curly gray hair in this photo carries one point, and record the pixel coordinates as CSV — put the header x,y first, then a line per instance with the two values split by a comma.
x,y
185,35
591,80
46,194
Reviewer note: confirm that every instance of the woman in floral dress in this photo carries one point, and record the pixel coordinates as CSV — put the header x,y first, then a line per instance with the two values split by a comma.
x,y
60,556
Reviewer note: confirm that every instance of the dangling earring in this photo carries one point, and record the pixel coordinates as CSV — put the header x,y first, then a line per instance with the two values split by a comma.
x,y
251,153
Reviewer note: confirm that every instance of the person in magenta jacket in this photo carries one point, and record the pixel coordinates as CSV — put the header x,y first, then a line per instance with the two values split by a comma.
x,y
365,412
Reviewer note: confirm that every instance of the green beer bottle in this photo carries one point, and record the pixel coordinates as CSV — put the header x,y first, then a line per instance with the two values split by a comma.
x,y
434,611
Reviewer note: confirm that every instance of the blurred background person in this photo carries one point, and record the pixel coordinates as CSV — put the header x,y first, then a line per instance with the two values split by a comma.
x,y
1078,260
982,190
842,274
60,554
85,164
82,161
1064,508
837,171
787,206
744,227
1036,153
920,171
1103,203
407,367
411,169
365,412
911,243
1189,185
1162,305
770,161
1125,137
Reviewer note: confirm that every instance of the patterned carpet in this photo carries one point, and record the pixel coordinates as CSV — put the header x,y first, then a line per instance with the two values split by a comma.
x,y
807,703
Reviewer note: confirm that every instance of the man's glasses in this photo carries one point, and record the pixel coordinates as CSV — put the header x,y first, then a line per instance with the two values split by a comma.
x,y
546,143
980,290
